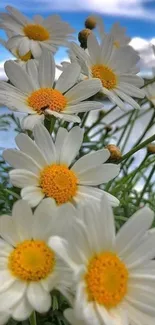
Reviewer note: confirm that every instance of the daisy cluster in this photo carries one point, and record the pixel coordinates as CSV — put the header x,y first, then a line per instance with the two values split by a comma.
x,y
61,234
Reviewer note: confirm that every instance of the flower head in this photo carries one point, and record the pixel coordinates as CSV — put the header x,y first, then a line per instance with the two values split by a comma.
x,y
116,69
32,35
35,93
30,268
113,273
44,169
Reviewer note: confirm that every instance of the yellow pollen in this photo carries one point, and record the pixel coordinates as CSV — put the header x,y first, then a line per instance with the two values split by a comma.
x,y
49,98
106,279
36,32
105,74
25,57
58,182
31,260
117,44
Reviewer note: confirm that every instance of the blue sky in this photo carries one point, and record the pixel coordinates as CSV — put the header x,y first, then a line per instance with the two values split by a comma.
x,y
138,16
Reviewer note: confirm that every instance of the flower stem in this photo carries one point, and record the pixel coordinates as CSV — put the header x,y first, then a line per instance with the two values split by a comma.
x,y
32,319
137,148
146,184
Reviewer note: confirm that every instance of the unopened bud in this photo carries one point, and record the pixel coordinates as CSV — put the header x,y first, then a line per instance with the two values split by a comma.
x,y
83,36
115,153
108,128
90,22
151,148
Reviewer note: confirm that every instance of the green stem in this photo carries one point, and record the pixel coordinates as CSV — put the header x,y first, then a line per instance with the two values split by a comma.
x,y
137,148
32,319
130,130
146,185
148,82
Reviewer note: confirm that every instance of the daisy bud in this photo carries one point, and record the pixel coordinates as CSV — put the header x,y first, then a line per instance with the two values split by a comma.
x,y
151,148
90,22
82,37
108,128
115,153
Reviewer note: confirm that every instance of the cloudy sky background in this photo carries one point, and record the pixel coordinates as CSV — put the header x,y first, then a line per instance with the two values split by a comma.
x,y
138,16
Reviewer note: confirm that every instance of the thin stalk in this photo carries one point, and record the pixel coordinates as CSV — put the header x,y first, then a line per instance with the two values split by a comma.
x,y
32,319
146,184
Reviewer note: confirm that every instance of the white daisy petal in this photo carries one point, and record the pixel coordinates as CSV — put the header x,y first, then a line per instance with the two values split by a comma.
x,y
104,316
91,160
93,48
28,122
38,297
78,93
8,230
24,46
18,159
22,178
17,15
12,295
35,48
60,138
65,117
64,83
6,280
28,146
142,301
107,47
131,90
32,70
85,106
32,194
22,219
18,77
46,70
130,233
71,145
127,98
22,310
45,143
98,175
5,249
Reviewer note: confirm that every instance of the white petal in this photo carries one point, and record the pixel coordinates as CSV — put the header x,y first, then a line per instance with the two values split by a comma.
x,y
43,219
68,78
144,252
28,146
35,49
18,77
91,160
83,90
131,90
114,98
136,316
32,70
127,98
98,175
71,146
18,159
60,246
46,69
85,106
17,15
93,48
142,301
65,117
28,122
60,138
12,295
104,316
22,310
5,250
130,233
22,178
106,49
23,47
32,194
114,202
44,141
38,297
6,280
22,218
8,230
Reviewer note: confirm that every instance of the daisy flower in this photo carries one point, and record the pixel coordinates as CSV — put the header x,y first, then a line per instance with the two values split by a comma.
x,y
29,267
34,92
118,33
113,273
32,35
116,69
44,169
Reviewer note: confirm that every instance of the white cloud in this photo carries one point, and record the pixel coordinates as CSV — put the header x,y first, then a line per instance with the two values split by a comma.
x,y
128,8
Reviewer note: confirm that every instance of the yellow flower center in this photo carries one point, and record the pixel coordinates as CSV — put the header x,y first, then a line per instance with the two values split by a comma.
x,y
106,279
105,74
58,182
31,260
117,44
36,32
49,98
25,57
